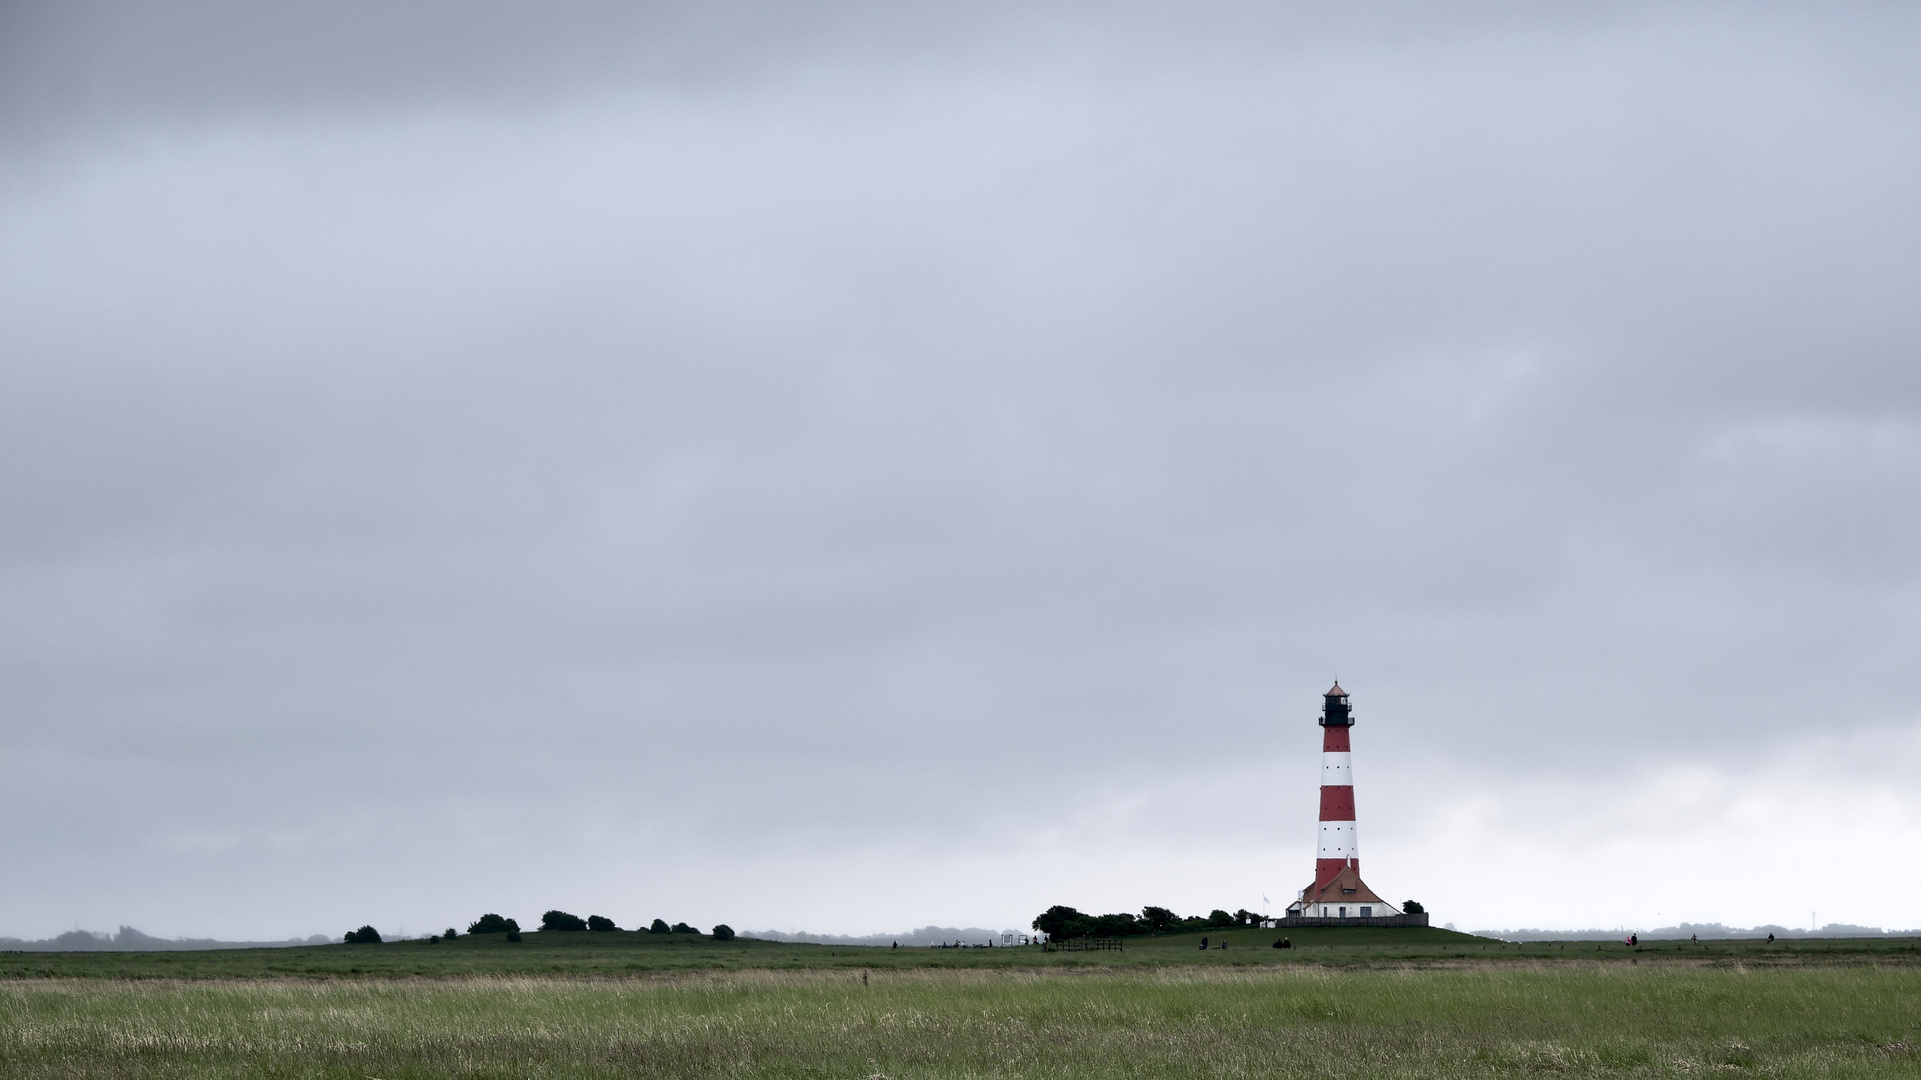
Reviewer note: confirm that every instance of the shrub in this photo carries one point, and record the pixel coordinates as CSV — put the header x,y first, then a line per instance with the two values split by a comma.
x,y
513,935
1217,917
1413,907
1060,922
683,928
1158,919
723,932
449,934
600,922
366,935
659,927
491,923
560,920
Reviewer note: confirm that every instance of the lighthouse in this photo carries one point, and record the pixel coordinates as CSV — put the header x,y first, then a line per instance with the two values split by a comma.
x,y
1338,894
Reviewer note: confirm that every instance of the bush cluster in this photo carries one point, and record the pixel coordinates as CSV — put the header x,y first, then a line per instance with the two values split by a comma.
x,y
560,920
556,920
1060,922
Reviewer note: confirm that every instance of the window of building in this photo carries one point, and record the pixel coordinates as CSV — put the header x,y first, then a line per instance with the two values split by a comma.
x,y
1343,913
1367,912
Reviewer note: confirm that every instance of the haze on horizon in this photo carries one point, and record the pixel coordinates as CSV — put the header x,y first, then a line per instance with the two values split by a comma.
x,y
847,466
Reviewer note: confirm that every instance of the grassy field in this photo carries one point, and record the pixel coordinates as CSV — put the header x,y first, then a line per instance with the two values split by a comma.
x,y
1334,1008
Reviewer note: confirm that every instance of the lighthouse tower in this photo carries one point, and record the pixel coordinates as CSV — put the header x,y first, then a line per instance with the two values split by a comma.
x,y
1338,891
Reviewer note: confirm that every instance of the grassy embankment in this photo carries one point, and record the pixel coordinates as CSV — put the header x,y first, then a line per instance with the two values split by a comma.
x,y
1336,1008
624,953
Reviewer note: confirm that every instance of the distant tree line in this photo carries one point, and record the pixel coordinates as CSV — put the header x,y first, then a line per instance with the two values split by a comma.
x,y
1061,922
554,920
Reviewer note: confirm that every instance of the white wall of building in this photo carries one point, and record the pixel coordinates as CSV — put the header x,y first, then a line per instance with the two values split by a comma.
x,y
1351,909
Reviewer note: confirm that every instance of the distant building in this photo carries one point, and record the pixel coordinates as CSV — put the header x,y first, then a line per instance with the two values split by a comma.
x,y
1338,893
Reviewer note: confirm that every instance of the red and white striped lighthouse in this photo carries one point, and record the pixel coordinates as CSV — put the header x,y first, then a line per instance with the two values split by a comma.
x,y
1338,892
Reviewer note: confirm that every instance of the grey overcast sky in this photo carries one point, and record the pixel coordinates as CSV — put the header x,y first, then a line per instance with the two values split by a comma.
x,y
850,466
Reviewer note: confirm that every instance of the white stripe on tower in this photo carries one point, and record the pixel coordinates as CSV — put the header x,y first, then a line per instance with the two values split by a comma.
x,y
1339,841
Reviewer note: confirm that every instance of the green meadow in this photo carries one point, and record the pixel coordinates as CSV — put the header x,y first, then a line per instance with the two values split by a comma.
x,y
1340,1004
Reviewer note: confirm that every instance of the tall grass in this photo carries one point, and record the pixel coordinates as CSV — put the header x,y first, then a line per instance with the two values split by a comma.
x,y
1570,1019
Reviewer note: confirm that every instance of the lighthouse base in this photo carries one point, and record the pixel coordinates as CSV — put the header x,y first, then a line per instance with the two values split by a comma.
x,y
1418,918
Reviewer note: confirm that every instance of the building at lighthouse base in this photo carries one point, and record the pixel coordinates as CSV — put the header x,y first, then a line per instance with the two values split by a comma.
x,y
1341,896
1343,899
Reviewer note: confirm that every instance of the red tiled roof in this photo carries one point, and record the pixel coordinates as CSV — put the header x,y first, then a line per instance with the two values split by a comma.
x,y
1336,890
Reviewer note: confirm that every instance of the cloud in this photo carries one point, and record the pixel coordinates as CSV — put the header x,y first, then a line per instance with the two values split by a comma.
x,y
1823,824
443,454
